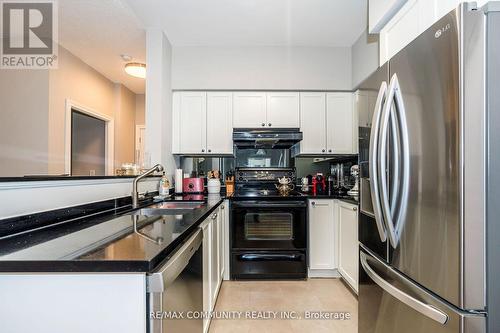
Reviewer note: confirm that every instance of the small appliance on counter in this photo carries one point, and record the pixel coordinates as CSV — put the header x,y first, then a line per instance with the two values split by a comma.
x,y
354,191
192,185
318,184
178,181
213,182
305,184
229,183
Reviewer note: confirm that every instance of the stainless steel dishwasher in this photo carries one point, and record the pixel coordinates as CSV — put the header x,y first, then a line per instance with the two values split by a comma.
x,y
177,288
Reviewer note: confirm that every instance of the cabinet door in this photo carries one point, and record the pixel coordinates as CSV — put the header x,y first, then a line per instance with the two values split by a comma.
x,y
283,110
249,109
348,243
313,123
193,113
340,123
322,245
214,259
222,232
225,212
219,123
207,295
405,26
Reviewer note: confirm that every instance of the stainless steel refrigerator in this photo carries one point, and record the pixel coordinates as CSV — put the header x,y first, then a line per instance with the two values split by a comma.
x,y
430,202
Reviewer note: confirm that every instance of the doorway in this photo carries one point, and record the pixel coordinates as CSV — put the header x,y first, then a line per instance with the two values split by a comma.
x,y
88,145
87,131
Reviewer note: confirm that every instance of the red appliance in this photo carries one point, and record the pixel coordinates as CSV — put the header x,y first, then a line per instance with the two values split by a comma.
x,y
192,185
318,184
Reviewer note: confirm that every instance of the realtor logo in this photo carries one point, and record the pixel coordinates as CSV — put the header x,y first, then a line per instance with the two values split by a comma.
x,y
29,34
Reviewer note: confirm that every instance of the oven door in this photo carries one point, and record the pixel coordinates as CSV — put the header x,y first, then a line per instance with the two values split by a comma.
x,y
269,225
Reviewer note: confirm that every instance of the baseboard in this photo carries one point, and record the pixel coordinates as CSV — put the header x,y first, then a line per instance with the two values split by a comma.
x,y
323,273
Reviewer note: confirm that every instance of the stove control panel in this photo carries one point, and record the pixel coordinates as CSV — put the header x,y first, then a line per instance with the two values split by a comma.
x,y
244,175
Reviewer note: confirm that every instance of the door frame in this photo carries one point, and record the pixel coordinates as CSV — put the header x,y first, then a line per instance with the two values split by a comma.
x,y
109,136
137,143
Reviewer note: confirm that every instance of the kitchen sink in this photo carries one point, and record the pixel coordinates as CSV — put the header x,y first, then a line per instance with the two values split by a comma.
x,y
169,208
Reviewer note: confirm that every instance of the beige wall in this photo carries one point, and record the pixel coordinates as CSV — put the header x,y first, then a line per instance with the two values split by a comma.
x,y
23,122
125,114
140,106
77,81
33,113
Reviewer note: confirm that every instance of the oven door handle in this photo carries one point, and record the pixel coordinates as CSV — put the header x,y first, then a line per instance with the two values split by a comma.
x,y
269,257
268,204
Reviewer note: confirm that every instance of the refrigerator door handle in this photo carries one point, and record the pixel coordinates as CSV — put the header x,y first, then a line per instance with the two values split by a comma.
x,y
395,110
373,154
425,309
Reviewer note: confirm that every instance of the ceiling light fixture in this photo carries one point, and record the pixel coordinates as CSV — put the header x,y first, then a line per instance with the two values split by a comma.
x,y
136,69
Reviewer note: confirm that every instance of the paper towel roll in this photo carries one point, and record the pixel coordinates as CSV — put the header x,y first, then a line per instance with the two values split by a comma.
x,y
178,180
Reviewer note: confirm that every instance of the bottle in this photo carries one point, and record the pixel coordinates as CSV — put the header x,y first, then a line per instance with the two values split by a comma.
x,y
164,188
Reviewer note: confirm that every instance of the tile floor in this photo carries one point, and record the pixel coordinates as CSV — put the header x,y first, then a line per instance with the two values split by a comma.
x,y
295,297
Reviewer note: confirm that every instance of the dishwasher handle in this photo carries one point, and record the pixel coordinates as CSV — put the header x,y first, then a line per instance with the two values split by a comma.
x,y
158,281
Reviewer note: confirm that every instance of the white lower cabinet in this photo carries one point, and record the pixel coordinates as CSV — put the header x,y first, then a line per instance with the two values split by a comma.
x,y
348,243
213,260
206,228
225,209
322,238
333,240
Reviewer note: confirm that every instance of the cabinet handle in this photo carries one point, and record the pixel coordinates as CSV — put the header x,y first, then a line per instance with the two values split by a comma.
x,y
263,124
203,150
210,150
222,207
323,150
214,216
313,203
329,150
270,124
354,208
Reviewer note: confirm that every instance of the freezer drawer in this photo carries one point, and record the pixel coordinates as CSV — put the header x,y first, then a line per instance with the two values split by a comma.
x,y
391,303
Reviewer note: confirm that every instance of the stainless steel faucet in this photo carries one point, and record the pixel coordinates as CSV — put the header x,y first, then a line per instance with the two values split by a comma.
x,y
135,194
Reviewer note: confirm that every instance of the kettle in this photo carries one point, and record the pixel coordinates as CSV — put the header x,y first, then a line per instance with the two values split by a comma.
x,y
284,186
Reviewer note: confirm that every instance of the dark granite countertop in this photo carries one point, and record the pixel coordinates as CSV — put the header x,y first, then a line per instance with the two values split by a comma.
x,y
38,178
103,243
345,198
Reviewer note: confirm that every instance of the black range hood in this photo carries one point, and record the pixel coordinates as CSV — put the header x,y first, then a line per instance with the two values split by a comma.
x,y
269,138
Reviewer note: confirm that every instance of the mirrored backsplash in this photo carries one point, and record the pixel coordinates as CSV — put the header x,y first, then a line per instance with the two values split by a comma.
x,y
200,166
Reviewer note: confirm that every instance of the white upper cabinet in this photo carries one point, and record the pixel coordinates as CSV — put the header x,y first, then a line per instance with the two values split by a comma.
x,y
249,109
380,12
202,123
269,110
364,104
193,112
341,124
282,110
312,122
348,243
413,18
219,123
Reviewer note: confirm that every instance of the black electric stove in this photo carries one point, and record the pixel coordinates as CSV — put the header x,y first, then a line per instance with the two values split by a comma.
x,y
268,230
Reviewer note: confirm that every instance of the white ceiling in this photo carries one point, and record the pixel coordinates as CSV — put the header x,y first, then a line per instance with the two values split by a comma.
x,y
98,32
255,22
